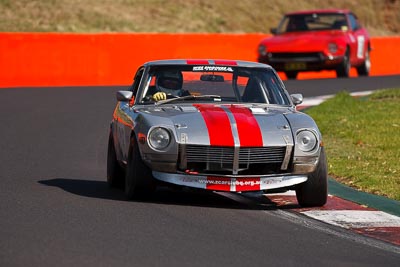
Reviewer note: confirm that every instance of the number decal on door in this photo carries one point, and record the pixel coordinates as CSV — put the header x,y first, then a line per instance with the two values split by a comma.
x,y
360,46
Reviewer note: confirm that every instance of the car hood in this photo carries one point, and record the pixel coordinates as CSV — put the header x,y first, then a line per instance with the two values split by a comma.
x,y
301,41
223,124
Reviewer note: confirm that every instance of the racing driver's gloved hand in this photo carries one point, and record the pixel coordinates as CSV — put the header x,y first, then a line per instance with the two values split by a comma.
x,y
159,96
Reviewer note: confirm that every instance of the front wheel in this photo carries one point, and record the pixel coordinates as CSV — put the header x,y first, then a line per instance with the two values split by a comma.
x,y
314,192
139,181
115,173
343,70
363,69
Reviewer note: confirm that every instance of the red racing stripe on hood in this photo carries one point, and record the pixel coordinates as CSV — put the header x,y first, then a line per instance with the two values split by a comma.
x,y
249,131
218,125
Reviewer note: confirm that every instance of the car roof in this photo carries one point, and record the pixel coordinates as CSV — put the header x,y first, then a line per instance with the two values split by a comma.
x,y
318,11
218,62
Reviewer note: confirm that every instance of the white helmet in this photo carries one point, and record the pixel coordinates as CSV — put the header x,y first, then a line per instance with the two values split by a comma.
x,y
169,82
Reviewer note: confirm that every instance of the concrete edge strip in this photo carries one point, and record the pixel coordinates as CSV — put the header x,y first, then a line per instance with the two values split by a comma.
x,y
377,202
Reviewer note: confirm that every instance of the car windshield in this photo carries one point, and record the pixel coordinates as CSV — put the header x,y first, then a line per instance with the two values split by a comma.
x,y
198,83
312,22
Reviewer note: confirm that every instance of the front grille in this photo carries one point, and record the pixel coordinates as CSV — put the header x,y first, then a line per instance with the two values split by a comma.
x,y
289,57
254,160
209,154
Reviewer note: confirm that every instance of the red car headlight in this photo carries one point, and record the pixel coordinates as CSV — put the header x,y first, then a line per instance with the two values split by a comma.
x,y
262,50
332,47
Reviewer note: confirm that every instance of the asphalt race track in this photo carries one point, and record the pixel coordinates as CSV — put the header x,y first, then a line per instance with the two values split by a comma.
x,y
56,209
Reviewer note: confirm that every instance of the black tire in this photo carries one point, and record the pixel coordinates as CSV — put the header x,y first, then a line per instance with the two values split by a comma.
x,y
364,69
115,173
139,181
314,192
291,75
343,70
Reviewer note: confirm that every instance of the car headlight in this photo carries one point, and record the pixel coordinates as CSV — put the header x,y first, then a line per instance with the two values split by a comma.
x,y
159,138
306,140
262,50
332,47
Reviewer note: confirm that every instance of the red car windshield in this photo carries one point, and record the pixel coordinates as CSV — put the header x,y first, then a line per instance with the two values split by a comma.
x,y
313,22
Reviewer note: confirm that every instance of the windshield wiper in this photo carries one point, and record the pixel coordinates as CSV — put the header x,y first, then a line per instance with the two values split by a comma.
x,y
188,97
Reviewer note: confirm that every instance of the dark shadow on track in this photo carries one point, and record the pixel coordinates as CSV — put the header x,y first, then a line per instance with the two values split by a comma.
x,y
163,195
86,188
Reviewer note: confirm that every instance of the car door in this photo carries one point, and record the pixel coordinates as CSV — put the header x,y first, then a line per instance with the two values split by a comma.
x,y
359,40
125,119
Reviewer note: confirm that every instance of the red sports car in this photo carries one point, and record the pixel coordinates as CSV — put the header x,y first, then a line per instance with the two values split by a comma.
x,y
317,40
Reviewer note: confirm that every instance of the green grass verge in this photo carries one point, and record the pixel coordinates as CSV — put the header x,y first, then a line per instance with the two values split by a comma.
x,y
362,140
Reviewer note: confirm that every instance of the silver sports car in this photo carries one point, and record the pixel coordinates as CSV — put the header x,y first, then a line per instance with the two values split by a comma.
x,y
217,125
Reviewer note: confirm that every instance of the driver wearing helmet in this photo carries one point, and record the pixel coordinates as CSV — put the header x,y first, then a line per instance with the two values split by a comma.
x,y
169,83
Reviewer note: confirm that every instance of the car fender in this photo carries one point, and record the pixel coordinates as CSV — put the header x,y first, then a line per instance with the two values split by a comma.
x,y
300,121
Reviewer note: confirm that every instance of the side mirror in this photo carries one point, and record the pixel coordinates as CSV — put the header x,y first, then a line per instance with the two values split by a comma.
x,y
274,31
297,99
124,96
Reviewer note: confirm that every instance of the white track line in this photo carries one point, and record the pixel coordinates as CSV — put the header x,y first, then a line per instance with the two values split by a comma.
x,y
315,101
355,218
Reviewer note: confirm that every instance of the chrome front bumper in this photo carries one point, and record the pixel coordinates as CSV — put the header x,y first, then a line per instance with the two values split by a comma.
x,y
231,183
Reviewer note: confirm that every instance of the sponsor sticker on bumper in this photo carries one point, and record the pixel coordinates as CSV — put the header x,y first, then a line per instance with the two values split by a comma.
x,y
232,184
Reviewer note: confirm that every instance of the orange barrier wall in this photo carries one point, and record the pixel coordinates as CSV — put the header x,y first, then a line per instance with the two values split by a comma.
x,y
66,59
